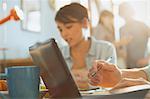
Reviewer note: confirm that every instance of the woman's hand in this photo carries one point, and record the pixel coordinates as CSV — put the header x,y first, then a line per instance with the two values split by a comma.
x,y
127,82
107,74
81,77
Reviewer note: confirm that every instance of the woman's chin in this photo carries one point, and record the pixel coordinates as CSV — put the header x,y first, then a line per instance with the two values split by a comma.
x,y
72,45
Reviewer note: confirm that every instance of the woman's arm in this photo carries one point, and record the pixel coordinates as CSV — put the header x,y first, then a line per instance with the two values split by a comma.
x,y
134,73
133,77
112,76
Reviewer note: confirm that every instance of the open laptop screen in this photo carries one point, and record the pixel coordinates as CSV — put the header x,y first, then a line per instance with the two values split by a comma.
x,y
54,70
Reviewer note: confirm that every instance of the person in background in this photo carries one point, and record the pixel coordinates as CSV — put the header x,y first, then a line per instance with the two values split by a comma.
x,y
136,50
105,31
110,76
73,23
105,28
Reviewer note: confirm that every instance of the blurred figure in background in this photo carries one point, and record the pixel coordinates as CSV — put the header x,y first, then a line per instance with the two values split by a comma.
x,y
105,28
136,50
105,31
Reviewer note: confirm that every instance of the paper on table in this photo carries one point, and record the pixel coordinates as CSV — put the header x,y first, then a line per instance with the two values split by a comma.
x,y
130,89
116,91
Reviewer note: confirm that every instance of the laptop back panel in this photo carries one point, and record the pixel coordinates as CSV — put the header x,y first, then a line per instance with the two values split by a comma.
x,y
54,70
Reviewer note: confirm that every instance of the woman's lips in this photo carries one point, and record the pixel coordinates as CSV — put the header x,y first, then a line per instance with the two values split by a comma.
x,y
68,40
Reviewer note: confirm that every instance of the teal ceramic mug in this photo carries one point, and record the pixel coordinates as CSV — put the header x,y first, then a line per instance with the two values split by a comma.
x,y
23,82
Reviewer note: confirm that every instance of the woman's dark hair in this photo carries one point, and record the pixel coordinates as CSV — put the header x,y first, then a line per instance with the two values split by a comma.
x,y
72,11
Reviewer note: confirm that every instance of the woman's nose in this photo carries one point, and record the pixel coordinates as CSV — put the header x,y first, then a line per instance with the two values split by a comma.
x,y
64,33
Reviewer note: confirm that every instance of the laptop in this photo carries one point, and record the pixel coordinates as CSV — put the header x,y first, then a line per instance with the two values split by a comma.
x,y
54,71
57,77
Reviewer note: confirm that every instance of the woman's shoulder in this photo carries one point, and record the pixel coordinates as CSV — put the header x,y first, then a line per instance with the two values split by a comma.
x,y
102,43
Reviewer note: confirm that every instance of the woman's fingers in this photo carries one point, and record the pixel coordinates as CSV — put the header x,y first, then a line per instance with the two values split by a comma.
x,y
97,66
106,65
98,71
94,81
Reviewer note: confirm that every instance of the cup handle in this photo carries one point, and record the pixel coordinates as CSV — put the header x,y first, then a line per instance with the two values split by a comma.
x,y
3,76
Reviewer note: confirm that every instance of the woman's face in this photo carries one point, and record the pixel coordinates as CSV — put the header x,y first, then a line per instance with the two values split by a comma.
x,y
107,21
71,32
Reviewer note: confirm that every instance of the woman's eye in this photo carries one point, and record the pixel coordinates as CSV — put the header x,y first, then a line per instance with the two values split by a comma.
x,y
69,27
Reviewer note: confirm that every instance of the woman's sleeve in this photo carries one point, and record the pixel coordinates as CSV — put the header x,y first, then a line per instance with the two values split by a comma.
x,y
147,71
112,52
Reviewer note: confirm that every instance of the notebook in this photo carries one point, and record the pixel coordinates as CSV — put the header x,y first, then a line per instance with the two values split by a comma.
x,y
58,79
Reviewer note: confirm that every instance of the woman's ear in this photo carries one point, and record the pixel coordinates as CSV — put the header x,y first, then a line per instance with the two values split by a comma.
x,y
85,23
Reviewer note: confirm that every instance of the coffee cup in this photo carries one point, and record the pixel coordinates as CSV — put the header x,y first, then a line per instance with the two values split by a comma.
x,y
23,82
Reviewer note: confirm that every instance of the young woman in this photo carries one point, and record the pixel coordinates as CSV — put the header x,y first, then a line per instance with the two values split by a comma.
x,y
73,23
